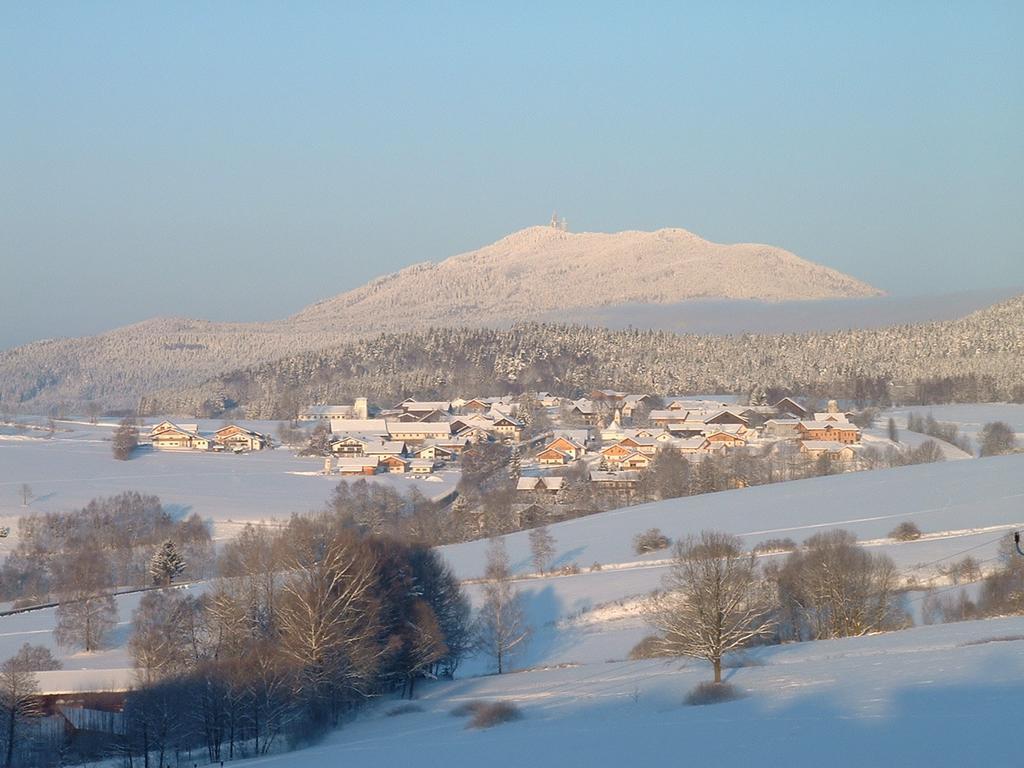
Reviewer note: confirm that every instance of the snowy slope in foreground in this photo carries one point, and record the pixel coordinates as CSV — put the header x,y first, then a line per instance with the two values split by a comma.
x,y
960,497
933,696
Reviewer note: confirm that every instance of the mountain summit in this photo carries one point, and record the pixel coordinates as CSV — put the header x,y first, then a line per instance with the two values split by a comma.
x,y
545,269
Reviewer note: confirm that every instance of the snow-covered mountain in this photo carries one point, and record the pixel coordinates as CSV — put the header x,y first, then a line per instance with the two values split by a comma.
x,y
545,269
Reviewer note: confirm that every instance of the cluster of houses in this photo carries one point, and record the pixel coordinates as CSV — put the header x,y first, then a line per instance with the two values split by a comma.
x,y
694,428
617,434
186,437
416,436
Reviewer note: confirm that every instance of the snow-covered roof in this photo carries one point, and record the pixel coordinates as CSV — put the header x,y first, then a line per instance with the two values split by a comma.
x,y
729,429
357,461
689,443
686,426
427,405
566,439
192,430
647,442
86,680
600,476
578,436
666,414
507,421
386,447
359,426
725,412
833,417
419,428
357,438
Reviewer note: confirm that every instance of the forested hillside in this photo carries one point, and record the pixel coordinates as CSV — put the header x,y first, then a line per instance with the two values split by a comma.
x,y
536,270
977,358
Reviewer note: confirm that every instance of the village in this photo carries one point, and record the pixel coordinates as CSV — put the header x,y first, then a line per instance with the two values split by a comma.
x,y
605,441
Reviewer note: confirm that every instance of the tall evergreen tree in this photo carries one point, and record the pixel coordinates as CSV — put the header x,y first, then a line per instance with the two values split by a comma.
x,y
515,464
167,564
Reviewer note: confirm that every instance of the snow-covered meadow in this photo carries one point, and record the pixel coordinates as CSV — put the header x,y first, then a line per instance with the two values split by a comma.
x,y
969,417
932,695
75,465
955,504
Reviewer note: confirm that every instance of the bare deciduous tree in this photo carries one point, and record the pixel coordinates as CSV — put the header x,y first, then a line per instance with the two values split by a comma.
x,y
93,410
160,642
126,437
18,702
37,658
87,611
501,625
833,588
428,643
713,600
997,438
327,617
542,548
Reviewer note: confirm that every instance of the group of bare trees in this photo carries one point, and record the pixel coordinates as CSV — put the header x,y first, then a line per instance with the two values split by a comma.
x,y
80,559
672,475
941,430
302,625
376,509
996,439
716,599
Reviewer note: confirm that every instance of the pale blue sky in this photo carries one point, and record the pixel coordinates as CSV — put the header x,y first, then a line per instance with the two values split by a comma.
x,y
240,160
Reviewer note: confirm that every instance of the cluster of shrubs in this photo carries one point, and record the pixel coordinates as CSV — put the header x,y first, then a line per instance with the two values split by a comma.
x,y
486,714
906,531
650,540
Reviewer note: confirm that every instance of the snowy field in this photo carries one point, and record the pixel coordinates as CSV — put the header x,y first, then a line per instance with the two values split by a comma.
x,y
962,507
74,466
933,696
879,437
939,695
970,418
956,504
